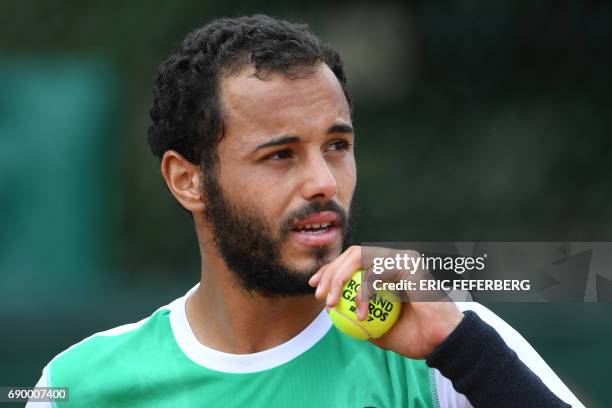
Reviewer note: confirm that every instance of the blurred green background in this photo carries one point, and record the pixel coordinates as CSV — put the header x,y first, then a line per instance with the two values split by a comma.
x,y
491,119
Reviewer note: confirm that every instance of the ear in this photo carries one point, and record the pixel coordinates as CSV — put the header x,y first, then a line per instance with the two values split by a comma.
x,y
183,179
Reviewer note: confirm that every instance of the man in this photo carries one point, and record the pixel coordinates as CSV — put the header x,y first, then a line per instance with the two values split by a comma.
x,y
252,122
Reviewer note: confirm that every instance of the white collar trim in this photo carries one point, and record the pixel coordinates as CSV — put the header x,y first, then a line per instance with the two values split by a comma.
x,y
242,363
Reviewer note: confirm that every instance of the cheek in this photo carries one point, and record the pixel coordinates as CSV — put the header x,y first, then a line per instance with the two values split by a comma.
x,y
346,177
259,190
240,182
257,193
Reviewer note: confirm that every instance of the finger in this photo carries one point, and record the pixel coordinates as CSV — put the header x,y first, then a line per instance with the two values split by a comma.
x,y
364,294
349,266
314,279
323,278
327,274
362,305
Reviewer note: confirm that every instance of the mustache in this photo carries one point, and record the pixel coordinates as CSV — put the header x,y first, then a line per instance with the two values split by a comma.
x,y
310,209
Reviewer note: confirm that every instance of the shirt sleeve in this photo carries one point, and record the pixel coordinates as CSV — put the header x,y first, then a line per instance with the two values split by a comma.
x,y
507,348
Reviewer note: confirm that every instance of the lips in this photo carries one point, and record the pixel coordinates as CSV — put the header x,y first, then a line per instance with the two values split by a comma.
x,y
317,230
317,221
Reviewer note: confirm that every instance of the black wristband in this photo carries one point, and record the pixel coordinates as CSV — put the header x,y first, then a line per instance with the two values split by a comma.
x,y
488,372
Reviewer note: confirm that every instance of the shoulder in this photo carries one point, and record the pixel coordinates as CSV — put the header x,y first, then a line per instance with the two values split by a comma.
x,y
107,353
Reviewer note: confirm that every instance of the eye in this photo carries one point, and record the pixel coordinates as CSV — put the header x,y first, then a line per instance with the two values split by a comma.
x,y
280,155
339,145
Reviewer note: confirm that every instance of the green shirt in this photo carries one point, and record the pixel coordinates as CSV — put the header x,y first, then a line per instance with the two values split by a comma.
x,y
158,362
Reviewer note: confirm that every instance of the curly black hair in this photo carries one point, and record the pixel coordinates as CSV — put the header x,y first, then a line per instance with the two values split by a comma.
x,y
186,112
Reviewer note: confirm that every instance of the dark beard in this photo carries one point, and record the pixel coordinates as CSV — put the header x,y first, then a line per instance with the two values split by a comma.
x,y
251,250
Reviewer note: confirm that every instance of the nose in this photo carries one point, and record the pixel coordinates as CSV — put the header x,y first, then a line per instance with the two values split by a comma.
x,y
319,181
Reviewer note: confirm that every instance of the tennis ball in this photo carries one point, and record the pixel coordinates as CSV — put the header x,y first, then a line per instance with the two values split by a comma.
x,y
383,310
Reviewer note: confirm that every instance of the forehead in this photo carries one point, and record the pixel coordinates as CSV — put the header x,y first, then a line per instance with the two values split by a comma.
x,y
255,109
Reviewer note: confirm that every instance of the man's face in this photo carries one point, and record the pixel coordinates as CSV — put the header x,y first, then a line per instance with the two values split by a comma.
x,y
284,183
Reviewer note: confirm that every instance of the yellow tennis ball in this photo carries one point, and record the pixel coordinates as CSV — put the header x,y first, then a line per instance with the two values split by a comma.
x,y
383,311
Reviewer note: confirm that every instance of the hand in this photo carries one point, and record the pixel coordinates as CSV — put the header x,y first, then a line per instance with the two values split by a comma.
x,y
421,327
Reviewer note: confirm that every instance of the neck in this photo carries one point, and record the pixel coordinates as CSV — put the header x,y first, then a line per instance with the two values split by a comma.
x,y
226,318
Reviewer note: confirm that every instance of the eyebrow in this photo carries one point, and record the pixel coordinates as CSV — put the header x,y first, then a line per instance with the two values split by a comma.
x,y
340,128
288,139
279,141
